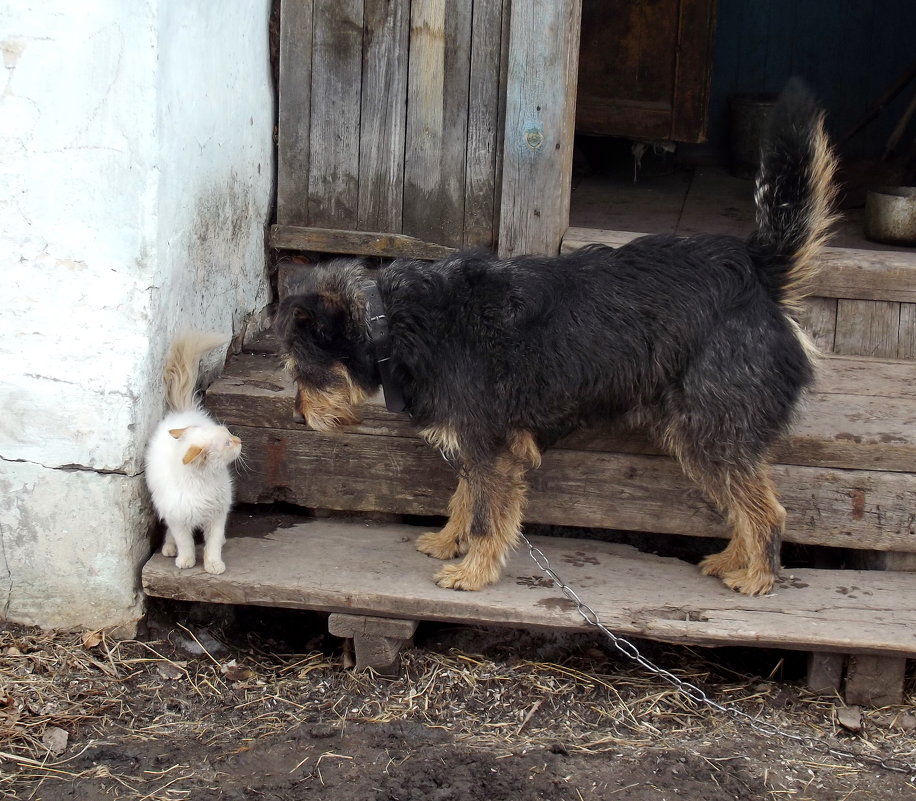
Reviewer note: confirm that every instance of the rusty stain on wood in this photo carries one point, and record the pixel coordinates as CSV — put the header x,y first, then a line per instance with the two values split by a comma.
x,y
858,504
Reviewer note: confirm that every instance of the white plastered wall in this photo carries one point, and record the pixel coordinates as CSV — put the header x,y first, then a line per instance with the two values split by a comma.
x,y
136,169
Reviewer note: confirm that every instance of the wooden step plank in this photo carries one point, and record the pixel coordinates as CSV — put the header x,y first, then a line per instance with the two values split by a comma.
x,y
596,489
861,415
357,568
368,243
848,272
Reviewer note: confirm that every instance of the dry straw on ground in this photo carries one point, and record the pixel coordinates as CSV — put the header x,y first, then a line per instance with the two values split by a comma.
x,y
61,693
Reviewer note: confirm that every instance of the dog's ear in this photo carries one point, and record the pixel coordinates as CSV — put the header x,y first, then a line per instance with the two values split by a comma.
x,y
191,454
325,318
320,318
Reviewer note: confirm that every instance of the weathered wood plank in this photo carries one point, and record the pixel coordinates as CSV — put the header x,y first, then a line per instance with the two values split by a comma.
x,y
594,489
863,375
293,132
860,415
540,122
357,568
867,328
365,243
817,316
847,273
437,119
333,177
484,111
383,119
906,345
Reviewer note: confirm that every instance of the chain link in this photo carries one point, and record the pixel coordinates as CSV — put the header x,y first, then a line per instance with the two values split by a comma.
x,y
691,691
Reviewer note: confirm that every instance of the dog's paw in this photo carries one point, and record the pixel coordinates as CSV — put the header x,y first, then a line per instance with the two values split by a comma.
x,y
439,545
750,582
720,564
169,549
455,577
183,561
214,566
468,575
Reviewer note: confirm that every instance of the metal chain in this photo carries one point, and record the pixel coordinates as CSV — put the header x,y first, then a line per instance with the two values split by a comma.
x,y
689,690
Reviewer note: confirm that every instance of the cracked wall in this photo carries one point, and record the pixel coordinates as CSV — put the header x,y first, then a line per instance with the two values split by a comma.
x,y
136,144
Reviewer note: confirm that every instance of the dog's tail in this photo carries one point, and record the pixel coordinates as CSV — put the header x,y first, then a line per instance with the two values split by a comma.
x,y
182,365
794,196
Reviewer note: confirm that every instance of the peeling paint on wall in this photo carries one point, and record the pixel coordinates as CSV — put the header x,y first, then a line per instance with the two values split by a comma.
x,y
133,203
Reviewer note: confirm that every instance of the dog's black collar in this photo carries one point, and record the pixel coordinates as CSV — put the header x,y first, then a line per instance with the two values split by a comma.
x,y
380,338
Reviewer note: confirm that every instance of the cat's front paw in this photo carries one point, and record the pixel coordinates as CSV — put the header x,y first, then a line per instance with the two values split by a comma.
x,y
169,549
214,566
186,561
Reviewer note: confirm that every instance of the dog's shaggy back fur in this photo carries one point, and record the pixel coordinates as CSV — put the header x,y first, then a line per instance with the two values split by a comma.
x,y
693,338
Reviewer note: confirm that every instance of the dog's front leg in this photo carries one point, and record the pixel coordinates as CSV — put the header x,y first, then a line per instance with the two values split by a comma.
x,y
496,493
452,540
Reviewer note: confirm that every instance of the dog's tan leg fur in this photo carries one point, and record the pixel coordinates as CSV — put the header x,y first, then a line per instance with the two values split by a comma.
x,y
452,540
749,562
498,498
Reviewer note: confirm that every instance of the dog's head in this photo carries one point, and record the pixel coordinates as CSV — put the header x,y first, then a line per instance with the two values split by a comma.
x,y
321,325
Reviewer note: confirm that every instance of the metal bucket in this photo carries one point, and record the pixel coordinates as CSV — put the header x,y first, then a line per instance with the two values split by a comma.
x,y
749,116
890,215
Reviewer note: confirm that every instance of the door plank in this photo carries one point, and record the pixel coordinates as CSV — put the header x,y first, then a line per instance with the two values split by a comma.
x,y
383,118
333,177
437,119
539,127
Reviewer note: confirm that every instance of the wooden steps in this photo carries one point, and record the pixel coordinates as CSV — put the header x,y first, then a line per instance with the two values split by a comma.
x,y
888,275
360,568
846,474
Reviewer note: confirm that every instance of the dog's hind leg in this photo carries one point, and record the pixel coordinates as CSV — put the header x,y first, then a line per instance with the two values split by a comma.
x,y
750,561
452,540
739,484
497,494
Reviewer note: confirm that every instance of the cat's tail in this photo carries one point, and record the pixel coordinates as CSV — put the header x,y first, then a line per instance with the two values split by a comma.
x,y
182,365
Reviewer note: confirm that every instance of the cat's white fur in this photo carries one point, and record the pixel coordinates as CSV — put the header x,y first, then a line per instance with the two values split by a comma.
x,y
188,461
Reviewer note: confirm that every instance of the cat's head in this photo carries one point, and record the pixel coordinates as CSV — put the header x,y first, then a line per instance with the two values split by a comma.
x,y
207,445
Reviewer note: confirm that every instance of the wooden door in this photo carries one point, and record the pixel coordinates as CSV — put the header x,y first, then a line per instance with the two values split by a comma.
x,y
644,68
414,127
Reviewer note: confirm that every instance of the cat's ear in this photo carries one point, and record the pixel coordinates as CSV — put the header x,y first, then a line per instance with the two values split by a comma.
x,y
192,453
177,432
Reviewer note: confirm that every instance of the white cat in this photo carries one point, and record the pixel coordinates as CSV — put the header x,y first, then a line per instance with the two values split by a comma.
x,y
188,461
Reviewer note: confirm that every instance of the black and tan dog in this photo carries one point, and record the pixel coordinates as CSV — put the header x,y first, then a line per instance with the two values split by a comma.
x,y
692,339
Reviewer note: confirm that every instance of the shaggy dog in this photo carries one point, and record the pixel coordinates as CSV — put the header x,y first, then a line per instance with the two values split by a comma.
x,y
692,339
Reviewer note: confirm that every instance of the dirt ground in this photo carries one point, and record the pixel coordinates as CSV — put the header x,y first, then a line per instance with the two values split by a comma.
x,y
233,703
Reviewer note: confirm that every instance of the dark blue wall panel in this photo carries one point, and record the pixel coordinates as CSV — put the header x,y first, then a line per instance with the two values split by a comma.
x,y
849,51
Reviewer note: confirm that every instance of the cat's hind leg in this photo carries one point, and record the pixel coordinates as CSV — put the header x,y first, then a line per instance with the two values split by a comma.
x,y
214,538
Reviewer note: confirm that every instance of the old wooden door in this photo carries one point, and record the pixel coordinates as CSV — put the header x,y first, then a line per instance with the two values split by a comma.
x,y
413,127
644,68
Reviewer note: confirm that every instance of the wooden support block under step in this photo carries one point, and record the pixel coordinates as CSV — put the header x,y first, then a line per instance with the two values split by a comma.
x,y
878,681
825,672
377,640
875,680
